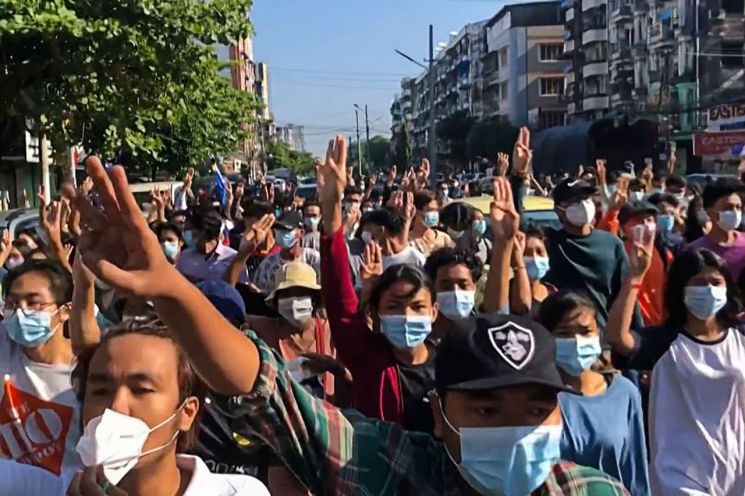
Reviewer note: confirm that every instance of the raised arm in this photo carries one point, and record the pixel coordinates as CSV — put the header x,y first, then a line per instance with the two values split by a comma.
x,y
52,223
521,294
252,238
618,329
84,330
505,224
121,250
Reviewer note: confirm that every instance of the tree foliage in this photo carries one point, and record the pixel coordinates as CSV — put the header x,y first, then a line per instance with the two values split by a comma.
x,y
453,130
135,78
487,138
403,147
280,155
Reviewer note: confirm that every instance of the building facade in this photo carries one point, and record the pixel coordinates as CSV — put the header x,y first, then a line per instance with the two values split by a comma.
x,y
293,136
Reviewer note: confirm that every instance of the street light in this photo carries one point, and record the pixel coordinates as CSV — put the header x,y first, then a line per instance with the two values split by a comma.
x,y
432,122
367,138
359,145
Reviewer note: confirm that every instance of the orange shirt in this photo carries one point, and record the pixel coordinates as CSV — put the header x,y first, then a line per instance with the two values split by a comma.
x,y
652,291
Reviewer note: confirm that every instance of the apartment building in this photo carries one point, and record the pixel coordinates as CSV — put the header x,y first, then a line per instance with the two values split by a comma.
x,y
523,79
293,135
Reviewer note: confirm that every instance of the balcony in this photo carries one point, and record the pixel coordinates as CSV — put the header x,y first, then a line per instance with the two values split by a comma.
x,y
491,79
595,102
640,6
595,69
639,50
641,92
621,51
568,46
594,35
569,17
661,36
565,4
592,4
622,14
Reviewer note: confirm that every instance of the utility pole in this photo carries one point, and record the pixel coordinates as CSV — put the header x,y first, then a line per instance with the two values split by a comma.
x,y
359,144
367,143
432,122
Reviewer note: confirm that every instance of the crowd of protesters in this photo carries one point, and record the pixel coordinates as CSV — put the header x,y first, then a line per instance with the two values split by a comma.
x,y
383,338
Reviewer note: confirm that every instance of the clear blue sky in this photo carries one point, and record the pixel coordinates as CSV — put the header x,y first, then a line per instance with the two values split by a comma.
x,y
326,55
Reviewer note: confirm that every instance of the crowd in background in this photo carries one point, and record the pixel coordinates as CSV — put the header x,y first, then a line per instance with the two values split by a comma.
x,y
386,337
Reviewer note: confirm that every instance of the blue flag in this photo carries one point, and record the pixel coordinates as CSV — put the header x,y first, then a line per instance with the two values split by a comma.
x,y
219,186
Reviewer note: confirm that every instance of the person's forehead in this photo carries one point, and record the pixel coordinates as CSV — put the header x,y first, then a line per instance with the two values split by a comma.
x,y
525,392
454,271
139,354
733,199
312,209
404,290
31,283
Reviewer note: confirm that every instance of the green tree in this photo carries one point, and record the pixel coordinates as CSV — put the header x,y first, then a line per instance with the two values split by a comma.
x,y
453,130
403,147
380,152
280,155
487,138
136,79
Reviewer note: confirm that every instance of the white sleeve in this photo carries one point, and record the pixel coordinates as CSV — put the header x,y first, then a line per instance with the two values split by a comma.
x,y
17,478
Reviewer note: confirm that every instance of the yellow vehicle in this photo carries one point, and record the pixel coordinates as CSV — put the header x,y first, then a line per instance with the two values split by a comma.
x,y
538,210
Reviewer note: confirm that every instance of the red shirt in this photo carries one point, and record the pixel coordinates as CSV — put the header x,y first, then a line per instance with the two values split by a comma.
x,y
367,355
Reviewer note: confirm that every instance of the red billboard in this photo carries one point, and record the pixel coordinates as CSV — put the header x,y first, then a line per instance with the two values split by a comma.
x,y
716,143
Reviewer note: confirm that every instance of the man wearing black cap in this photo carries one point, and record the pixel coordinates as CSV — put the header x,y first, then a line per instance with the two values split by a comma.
x,y
582,257
288,234
496,411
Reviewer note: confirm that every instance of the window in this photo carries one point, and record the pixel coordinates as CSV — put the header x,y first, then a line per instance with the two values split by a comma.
x,y
550,52
551,118
551,86
503,58
503,92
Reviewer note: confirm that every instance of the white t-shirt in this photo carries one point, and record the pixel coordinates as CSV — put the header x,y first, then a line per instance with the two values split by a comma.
x,y
39,412
203,482
697,418
407,256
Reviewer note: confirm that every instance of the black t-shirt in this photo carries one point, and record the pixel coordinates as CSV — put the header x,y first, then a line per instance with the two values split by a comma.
x,y
416,381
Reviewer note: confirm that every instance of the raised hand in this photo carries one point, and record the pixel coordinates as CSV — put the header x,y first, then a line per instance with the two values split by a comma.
x,y
580,170
6,246
424,171
641,251
86,186
372,262
505,221
602,171
619,199
503,163
50,221
116,244
256,235
392,173
522,154
672,162
396,200
333,172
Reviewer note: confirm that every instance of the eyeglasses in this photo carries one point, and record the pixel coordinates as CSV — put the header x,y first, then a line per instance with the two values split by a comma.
x,y
35,306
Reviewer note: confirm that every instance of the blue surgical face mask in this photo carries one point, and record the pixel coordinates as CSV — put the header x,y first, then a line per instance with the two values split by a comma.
x,y
431,219
479,228
665,222
537,267
170,248
405,331
29,328
312,223
705,301
457,304
575,355
285,239
510,461
189,239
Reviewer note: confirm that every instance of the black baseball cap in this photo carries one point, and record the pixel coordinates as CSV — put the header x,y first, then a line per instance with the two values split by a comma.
x,y
290,219
570,189
631,209
492,351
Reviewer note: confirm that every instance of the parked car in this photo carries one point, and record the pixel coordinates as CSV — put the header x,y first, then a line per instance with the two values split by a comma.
x,y
307,191
20,219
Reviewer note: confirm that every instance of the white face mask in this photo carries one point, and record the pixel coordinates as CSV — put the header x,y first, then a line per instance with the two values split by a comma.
x,y
581,213
297,310
115,441
729,220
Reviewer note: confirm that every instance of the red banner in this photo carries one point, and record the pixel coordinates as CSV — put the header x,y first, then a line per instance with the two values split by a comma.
x,y
716,143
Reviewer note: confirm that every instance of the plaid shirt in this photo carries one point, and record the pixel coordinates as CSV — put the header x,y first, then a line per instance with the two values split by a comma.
x,y
340,453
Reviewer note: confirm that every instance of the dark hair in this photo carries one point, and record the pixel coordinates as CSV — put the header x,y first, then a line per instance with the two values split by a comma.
x,y
31,233
686,266
674,181
208,222
719,189
457,214
693,229
424,198
658,198
60,279
384,217
444,257
23,248
636,183
253,208
352,190
534,231
396,273
310,203
474,188
556,306
189,383
169,226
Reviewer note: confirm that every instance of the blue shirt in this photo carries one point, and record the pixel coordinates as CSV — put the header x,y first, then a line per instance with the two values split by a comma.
x,y
606,432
